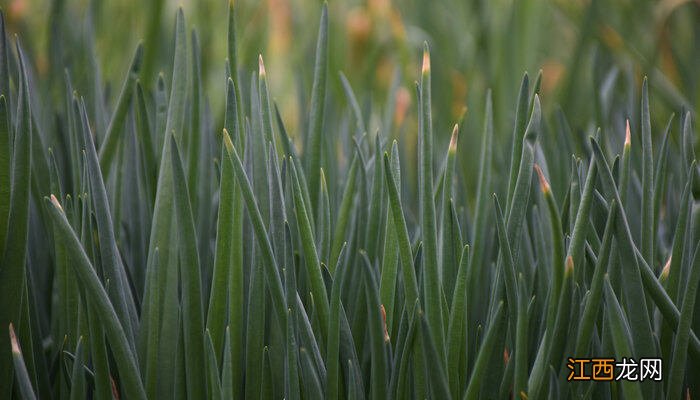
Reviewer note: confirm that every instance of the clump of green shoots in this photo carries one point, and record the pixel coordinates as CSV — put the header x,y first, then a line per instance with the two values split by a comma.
x,y
151,250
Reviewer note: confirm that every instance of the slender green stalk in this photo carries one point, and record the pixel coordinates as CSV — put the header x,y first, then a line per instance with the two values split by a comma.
x,y
111,263
190,275
318,105
193,140
632,281
431,275
519,128
390,265
312,383
213,384
405,252
21,374
232,53
223,261
344,213
109,146
124,358
268,261
485,352
265,108
12,268
678,253
292,390
332,362
509,274
162,221
563,319
680,350
595,292
448,259
236,286
226,367
402,382
647,221
626,162
515,214
377,334
521,339
620,332
578,234
478,265
78,389
255,326
436,373
323,222
457,329
377,201
149,333
313,265
557,247
100,361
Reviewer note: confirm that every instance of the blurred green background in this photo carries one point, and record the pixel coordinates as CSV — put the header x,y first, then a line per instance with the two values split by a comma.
x,y
592,54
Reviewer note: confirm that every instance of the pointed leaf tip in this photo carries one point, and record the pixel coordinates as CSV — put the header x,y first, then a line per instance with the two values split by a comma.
x,y
534,125
13,340
569,268
544,185
453,139
667,268
138,58
426,58
261,66
537,105
628,134
387,339
227,141
55,202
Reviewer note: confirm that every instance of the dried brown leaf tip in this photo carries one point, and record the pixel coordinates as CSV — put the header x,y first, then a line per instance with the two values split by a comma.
x,y
55,202
227,141
544,185
628,134
665,271
569,268
13,340
426,60
453,140
261,66
386,332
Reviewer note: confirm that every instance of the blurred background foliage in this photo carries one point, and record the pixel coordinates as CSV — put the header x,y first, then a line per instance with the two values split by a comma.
x,y
585,49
